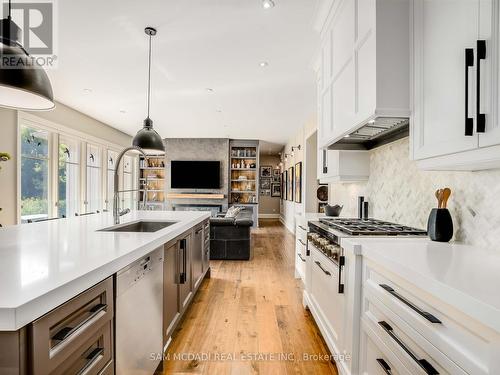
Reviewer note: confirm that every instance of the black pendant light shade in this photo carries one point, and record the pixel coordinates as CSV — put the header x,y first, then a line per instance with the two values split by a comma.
x,y
147,138
27,86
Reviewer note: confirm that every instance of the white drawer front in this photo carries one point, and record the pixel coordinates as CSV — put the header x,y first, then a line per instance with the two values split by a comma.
x,y
301,232
376,358
324,292
413,350
463,345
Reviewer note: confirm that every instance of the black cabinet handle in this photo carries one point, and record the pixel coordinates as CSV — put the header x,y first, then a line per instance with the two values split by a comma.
x,y
183,274
422,363
94,354
301,227
65,332
302,242
481,117
301,257
322,269
341,264
325,165
431,318
385,366
469,121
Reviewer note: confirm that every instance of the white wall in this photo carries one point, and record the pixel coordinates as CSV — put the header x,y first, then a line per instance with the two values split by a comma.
x,y
62,115
398,191
290,208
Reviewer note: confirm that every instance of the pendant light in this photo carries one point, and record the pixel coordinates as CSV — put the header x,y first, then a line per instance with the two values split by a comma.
x,y
27,87
147,138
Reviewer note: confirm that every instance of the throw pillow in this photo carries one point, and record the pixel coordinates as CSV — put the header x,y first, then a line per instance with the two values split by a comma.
x,y
233,211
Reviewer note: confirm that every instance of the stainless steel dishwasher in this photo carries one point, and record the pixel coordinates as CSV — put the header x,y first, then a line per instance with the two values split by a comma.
x,y
139,312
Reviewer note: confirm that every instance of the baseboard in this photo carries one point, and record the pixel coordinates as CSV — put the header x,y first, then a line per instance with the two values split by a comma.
x,y
269,216
287,226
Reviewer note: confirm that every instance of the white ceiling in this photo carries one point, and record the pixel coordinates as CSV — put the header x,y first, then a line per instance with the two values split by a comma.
x,y
201,44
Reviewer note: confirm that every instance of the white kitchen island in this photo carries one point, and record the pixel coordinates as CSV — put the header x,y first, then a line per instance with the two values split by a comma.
x,y
46,264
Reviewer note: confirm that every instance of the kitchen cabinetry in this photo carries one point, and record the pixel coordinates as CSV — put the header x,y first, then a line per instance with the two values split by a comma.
x,y
343,166
186,264
414,335
75,336
364,52
300,250
455,115
197,256
335,311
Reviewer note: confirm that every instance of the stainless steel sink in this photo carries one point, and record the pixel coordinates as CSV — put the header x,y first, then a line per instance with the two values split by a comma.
x,y
139,226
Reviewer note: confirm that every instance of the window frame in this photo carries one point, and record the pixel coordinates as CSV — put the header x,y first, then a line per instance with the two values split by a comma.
x,y
55,131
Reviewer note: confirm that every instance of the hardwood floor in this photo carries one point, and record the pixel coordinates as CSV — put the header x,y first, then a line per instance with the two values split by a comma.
x,y
248,318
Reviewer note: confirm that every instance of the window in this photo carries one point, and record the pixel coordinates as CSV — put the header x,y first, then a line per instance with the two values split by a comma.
x,y
128,200
68,182
34,174
110,183
93,196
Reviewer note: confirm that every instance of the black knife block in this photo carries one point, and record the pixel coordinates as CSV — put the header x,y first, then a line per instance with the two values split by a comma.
x,y
440,225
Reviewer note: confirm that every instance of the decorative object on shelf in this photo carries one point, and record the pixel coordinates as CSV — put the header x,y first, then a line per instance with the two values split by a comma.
x,y
440,224
332,210
242,178
147,138
265,184
276,190
289,188
298,181
266,171
24,84
321,207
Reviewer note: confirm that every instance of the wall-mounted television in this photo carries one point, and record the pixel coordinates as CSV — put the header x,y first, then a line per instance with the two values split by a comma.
x,y
195,174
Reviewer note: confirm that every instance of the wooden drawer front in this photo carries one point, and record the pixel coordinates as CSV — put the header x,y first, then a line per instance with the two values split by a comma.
x,y
324,292
91,358
413,350
301,232
463,345
58,334
376,358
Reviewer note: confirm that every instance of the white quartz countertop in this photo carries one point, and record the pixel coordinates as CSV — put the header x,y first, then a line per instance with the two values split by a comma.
x,y
46,264
465,277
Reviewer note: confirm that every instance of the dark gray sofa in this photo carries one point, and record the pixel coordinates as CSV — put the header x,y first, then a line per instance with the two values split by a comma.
x,y
230,237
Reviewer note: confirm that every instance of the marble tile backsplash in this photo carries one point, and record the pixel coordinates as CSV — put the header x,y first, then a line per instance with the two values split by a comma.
x,y
398,191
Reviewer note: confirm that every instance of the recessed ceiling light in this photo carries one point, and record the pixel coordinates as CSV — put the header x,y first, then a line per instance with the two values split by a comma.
x,y
267,4
87,91
209,89
346,136
263,64
123,111
219,111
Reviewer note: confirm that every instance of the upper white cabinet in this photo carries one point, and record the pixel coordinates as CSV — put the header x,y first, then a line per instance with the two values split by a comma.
x,y
364,65
455,84
343,166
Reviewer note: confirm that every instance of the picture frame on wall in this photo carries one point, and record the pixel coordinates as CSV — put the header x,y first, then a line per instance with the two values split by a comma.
x,y
298,182
276,190
284,183
289,186
265,184
266,171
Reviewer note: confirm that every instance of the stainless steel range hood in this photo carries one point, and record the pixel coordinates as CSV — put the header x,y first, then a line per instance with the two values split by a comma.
x,y
374,133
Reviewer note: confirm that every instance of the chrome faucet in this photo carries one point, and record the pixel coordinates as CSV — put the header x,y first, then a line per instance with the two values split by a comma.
x,y
116,209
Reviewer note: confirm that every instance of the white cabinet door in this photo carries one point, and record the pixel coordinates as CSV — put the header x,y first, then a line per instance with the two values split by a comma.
x,y
489,82
442,32
326,116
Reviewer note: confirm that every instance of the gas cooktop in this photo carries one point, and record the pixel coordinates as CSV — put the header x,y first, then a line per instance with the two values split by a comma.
x,y
370,227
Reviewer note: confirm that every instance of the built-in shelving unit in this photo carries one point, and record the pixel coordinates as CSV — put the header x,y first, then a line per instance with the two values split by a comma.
x,y
152,170
244,175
